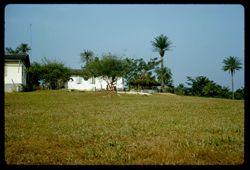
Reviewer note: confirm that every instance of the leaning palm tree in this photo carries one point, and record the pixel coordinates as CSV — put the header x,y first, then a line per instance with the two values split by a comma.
x,y
87,56
232,64
161,44
23,48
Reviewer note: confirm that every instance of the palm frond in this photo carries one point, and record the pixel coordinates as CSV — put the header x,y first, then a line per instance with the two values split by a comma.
x,y
161,43
231,64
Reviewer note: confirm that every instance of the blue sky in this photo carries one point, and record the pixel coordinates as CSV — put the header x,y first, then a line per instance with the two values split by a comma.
x,y
202,35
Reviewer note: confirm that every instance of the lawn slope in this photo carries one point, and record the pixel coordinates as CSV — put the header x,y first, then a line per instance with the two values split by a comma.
x,y
84,128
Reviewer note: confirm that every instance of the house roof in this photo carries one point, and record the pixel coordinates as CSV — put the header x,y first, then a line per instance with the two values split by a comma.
x,y
23,57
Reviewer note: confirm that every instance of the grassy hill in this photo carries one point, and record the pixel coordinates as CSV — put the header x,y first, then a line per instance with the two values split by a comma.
x,y
60,127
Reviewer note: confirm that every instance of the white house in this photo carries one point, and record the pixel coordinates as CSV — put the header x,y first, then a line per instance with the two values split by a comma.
x,y
77,82
15,71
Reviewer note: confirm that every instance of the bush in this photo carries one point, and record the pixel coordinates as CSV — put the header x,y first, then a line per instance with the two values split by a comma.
x,y
27,88
239,94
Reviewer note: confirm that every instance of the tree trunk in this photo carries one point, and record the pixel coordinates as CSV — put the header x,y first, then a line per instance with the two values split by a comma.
x,y
111,87
162,82
232,85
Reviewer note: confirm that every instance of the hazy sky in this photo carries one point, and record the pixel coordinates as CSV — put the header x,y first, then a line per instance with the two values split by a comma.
x,y
202,35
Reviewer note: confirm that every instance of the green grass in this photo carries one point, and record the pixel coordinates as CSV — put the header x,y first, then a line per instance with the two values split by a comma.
x,y
84,128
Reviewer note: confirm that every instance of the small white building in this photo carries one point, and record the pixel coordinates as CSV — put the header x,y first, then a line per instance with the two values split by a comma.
x,y
15,71
77,82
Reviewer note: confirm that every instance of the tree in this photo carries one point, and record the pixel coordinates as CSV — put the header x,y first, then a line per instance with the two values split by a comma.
x,y
54,74
161,44
202,86
21,49
87,56
225,93
131,69
182,90
109,68
231,64
197,85
140,74
35,73
10,51
212,89
165,74
239,93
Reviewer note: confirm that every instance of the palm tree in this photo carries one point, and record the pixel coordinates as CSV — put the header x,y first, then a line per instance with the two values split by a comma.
x,y
87,56
161,44
232,64
167,75
23,48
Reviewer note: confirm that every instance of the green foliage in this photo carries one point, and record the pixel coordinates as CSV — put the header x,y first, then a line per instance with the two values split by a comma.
x,y
202,86
55,74
169,89
144,82
87,56
197,85
21,49
52,75
231,64
10,51
27,88
211,89
112,67
240,94
92,69
161,44
182,90
140,74
35,74
166,74
225,93
109,67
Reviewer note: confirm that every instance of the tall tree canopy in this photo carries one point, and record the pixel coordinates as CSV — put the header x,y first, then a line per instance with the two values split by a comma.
x,y
231,64
87,56
161,44
23,48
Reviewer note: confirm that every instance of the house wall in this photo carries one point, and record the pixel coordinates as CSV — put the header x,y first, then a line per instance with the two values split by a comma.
x,y
92,84
14,76
78,83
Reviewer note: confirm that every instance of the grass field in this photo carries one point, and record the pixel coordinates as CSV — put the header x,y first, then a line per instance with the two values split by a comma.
x,y
84,128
